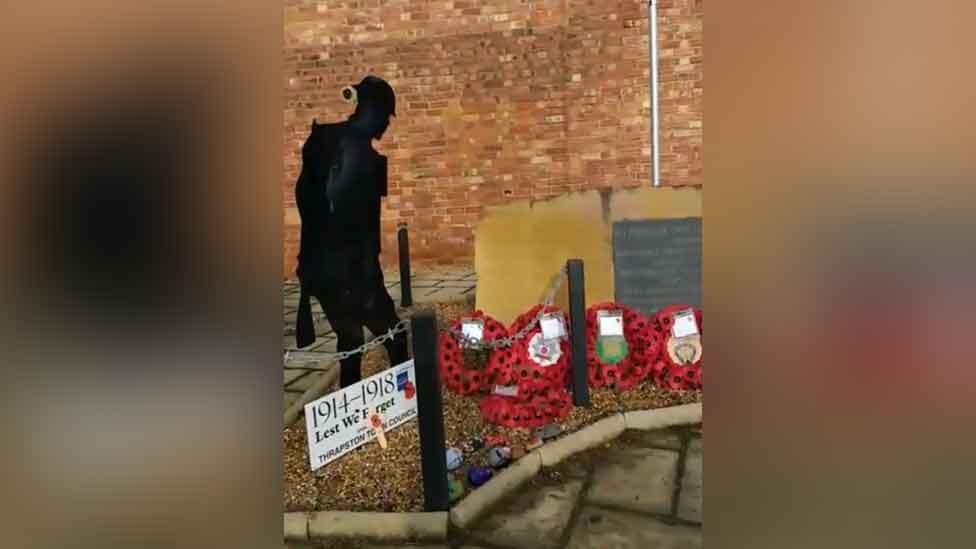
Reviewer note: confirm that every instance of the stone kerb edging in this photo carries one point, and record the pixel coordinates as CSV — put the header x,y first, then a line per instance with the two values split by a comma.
x,y
317,390
479,501
374,526
434,526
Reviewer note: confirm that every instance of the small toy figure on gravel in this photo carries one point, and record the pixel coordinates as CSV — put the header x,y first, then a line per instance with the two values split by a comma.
x,y
455,489
477,476
499,457
454,459
548,432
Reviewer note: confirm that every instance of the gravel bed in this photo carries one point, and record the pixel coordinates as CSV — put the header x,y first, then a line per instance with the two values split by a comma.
x,y
372,479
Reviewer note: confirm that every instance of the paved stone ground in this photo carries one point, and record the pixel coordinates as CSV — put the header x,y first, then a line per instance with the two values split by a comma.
x,y
643,491
302,367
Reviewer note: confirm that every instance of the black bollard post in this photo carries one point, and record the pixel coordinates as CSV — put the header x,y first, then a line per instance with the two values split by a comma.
x,y
406,295
577,316
433,459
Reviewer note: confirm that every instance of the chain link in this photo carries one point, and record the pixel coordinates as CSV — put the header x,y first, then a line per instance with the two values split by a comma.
x,y
469,342
400,327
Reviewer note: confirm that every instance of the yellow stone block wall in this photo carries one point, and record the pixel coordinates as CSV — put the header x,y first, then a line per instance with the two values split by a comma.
x,y
519,246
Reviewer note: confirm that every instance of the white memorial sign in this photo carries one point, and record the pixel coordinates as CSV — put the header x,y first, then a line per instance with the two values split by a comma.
x,y
552,326
506,390
473,329
339,422
611,323
684,324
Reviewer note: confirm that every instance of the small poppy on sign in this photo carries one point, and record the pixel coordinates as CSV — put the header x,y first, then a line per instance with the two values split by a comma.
x,y
376,423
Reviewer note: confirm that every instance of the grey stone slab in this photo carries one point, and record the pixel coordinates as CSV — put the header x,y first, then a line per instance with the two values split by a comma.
x,y
571,469
690,498
462,284
657,262
639,479
299,358
406,546
289,399
605,529
533,518
664,439
436,295
305,382
324,345
292,375
424,283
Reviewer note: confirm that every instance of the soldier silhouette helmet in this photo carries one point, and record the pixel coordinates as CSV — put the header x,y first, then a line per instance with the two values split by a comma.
x,y
375,104
372,93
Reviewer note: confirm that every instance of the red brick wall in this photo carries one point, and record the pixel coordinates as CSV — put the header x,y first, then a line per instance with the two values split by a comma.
x,y
498,101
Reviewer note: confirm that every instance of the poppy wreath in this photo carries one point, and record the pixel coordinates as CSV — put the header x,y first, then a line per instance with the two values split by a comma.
x,y
668,373
536,412
533,378
643,347
457,377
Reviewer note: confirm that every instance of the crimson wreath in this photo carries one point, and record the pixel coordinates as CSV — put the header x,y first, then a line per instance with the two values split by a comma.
x,y
456,375
620,362
533,375
679,367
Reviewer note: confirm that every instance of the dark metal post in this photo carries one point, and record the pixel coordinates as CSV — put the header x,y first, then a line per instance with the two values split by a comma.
x,y
406,295
433,459
577,317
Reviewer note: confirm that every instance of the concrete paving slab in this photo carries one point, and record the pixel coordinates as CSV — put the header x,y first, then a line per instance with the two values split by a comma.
x,y
292,375
305,382
289,399
605,529
690,499
534,518
638,479
435,295
664,439
462,284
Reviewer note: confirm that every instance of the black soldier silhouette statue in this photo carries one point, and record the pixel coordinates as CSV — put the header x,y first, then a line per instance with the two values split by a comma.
x,y
338,195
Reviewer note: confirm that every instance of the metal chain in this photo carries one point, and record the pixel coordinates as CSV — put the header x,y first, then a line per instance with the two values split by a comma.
x,y
400,327
473,343
466,341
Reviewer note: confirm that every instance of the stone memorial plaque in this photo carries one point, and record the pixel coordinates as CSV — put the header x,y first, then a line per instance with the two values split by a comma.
x,y
657,263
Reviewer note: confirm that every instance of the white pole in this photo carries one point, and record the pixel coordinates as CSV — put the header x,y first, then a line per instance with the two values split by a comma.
x,y
655,122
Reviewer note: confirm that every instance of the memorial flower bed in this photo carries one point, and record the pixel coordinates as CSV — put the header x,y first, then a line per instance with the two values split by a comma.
x,y
389,480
